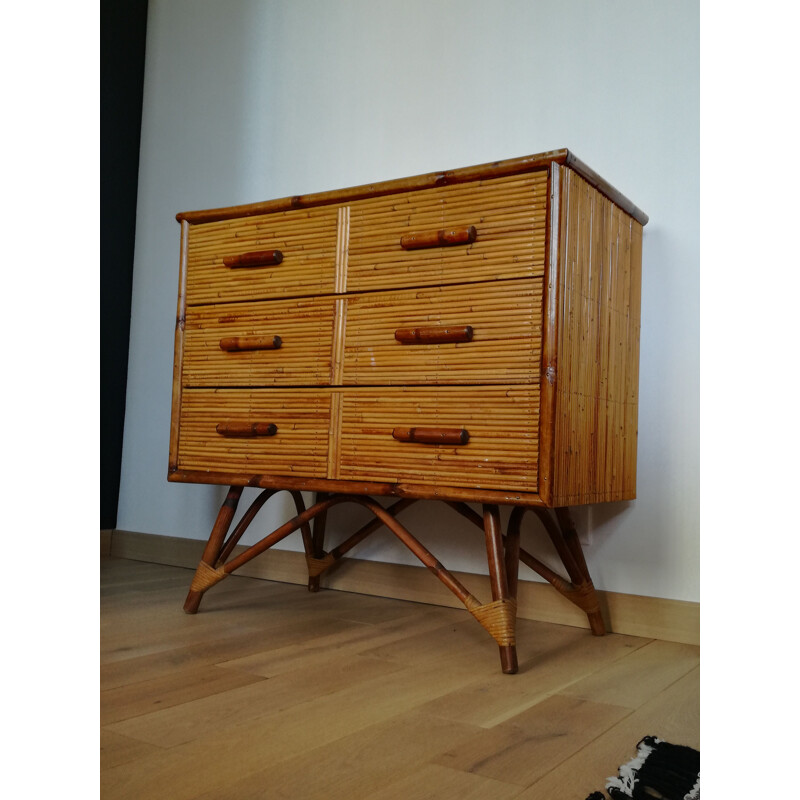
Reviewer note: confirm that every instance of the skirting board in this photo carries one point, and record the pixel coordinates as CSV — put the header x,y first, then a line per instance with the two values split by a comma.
x,y
649,617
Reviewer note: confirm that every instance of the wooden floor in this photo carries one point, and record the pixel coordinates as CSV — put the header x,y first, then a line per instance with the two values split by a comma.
x,y
273,692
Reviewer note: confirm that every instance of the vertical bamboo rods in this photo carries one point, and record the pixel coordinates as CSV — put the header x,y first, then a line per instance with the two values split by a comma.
x,y
177,364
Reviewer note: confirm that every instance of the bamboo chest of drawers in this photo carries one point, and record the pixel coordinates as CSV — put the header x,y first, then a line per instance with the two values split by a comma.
x,y
469,335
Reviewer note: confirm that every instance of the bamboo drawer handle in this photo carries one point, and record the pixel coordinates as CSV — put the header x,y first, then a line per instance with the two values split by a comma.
x,y
259,258
432,435
448,236
435,334
235,344
246,430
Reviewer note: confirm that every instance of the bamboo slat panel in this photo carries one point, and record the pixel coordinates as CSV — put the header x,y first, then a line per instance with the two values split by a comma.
x,y
508,213
307,238
304,325
299,448
501,452
598,348
506,318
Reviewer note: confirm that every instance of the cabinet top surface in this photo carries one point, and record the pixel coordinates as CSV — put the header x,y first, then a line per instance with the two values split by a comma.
x,y
494,169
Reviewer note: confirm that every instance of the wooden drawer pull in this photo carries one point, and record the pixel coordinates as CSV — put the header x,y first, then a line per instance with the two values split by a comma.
x,y
436,334
260,258
432,435
448,236
234,344
246,430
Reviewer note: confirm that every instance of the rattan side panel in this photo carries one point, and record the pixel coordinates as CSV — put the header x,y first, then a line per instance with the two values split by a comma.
x,y
305,328
508,214
598,348
505,318
501,453
299,448
305,237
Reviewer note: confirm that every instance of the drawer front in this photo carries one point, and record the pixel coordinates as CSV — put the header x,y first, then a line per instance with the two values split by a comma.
x,y
305,240
228,430
269,343
479,333
501,422
507,214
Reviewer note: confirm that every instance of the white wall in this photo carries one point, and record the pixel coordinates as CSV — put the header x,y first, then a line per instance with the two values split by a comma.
x,y
246,100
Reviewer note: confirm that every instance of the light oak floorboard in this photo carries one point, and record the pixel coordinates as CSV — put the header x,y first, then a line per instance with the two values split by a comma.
x,y
271,691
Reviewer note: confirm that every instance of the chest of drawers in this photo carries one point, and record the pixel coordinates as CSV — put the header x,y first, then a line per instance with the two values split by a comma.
x,y
469,335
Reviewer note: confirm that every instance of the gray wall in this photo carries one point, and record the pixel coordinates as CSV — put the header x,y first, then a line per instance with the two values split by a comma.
x,y
247,100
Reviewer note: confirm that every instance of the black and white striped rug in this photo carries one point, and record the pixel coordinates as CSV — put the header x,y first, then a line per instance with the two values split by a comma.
x,y
660,771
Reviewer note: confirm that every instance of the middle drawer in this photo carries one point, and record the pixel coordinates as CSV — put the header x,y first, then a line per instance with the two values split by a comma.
x,y
474,333
267,343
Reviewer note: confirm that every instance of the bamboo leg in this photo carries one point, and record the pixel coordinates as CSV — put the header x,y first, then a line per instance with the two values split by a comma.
x,y
586,587
318,541
513,551
246,519
212,549
501,597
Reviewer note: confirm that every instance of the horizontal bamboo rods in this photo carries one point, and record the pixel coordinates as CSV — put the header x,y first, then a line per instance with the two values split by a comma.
x,y
484,200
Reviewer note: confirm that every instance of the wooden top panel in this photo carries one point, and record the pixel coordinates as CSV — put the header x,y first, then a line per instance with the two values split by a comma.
x,y
494,169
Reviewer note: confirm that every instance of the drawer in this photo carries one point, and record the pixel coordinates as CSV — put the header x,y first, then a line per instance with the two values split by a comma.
x,y
478,333
268,343
501,422
507,214
305,240
231,430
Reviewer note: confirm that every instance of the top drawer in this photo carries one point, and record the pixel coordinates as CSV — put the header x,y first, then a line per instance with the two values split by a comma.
x,y
305,238
507,214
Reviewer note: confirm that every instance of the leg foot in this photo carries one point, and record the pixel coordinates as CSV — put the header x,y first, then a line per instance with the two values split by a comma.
x,y
508,658
596,623
192,603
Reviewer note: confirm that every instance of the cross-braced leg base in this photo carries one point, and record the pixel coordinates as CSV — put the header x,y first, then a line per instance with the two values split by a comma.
x,y
504,553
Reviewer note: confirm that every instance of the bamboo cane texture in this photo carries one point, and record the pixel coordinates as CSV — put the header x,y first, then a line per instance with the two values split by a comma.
x,y
305,239
595,426
221,343
501,452
507,214
505,318
299,446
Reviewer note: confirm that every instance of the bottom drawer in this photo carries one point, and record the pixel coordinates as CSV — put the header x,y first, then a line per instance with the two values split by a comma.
x,y
269,431
501,425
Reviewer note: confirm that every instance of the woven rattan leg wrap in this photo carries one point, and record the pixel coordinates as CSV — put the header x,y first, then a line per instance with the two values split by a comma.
x,y
499,618
316,566
206,577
